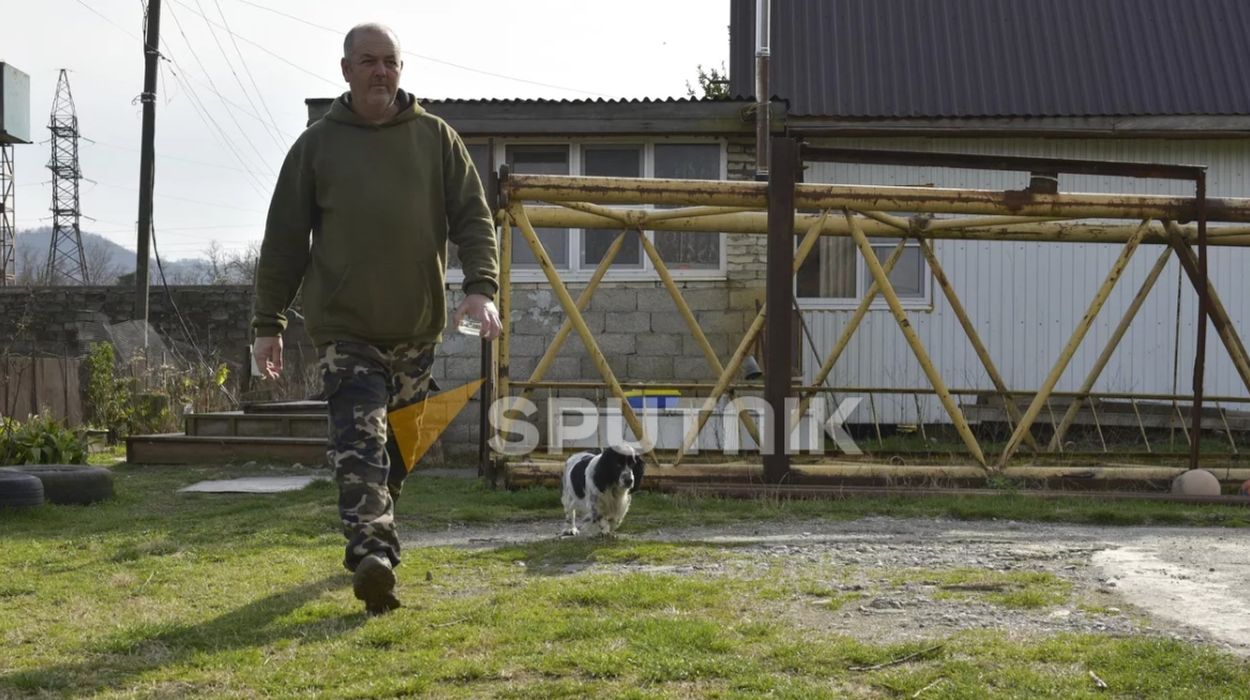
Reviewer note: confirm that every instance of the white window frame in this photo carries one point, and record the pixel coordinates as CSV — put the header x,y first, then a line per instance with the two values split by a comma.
x,y
578,273
863,280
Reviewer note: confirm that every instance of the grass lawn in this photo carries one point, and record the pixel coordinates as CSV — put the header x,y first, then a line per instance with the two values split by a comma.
x,y
157,594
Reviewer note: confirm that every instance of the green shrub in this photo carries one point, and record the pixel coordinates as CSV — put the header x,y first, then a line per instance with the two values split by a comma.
x,y
40,440
130,406
108,396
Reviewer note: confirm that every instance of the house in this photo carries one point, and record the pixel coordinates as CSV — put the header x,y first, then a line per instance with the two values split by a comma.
x,y
1159,81
1134,80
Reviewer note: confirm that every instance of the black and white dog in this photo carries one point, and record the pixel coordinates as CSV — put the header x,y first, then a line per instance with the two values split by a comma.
x,y
597,489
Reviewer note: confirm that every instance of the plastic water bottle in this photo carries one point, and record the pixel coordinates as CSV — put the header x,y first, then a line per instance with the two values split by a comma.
x,y
470,326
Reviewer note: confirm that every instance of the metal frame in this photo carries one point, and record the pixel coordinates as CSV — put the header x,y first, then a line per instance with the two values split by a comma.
x,y
66,259
1039,213
8,231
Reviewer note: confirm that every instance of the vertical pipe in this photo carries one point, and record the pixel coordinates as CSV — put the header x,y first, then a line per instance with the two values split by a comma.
x,y
779,300
762,115
147,156
1200,354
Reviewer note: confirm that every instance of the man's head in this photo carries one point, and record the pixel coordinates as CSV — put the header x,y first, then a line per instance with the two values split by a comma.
x,y
371,66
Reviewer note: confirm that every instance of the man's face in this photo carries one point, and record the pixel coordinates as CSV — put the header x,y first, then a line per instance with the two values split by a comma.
x,y
373,68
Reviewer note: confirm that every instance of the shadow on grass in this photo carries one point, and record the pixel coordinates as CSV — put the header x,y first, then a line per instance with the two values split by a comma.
x,y
571,555
115,662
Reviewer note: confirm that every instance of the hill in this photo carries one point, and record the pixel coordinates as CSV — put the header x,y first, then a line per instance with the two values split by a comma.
x,y
106,260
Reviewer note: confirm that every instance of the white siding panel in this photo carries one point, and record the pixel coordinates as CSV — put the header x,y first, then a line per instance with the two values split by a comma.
x,y
1026,299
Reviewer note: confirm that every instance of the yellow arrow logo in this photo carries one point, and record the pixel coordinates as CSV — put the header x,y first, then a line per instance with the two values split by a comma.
x,y
416,427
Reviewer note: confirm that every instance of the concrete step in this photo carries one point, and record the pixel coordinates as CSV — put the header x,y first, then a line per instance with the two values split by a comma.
x,y
241,424
178,448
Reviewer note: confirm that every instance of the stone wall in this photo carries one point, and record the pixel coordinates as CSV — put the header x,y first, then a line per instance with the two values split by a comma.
x,y
64,320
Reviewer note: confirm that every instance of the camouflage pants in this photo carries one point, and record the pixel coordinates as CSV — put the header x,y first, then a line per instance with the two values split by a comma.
x,y
362,384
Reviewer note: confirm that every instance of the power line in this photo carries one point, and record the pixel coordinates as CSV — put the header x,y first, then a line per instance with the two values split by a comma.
x,y
255,182
266,50
432,59
206,117
229,112
120,28
242,110
251,78
166,157
219,205
235,74
174,228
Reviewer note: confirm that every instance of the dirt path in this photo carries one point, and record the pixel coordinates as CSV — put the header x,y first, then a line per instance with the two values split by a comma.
x,y
1187,583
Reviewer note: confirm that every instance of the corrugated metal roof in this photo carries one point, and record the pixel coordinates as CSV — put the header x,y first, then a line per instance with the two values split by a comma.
x,y
504,101
1001,58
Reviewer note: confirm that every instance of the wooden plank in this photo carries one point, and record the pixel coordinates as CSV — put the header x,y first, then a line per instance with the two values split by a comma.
x,y
19,377
74,413
49,387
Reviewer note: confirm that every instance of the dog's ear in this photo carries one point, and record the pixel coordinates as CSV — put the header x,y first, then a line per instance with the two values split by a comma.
x,y
638,465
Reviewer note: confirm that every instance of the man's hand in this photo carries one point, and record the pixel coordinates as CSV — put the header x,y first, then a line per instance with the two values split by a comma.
x,y
481,309
268,354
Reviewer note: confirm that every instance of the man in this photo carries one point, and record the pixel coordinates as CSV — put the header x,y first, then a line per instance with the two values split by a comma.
x,y
381,186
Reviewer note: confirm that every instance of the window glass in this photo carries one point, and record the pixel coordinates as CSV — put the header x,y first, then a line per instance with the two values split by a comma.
x,y
611,161
688,250
540,160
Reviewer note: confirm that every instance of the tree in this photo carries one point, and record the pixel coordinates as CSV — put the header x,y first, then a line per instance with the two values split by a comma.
x,y
32,267
101,268
216,257
230,267
713,83
242,265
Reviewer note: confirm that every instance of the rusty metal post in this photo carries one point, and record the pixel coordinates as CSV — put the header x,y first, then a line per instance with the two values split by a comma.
x,y
779,299
1204,305
485,461
503,345
1218,313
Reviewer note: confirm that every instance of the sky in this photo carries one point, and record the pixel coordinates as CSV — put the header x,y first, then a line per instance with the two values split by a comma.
x,y
235,75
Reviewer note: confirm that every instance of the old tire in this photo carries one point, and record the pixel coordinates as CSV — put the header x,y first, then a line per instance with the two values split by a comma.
x,y
71,484
18,490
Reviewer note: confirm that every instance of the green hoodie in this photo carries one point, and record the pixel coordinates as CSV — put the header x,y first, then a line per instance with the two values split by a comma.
x,y
381,202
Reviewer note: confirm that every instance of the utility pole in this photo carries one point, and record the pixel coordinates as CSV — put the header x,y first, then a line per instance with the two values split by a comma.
x,y
151,54
66,260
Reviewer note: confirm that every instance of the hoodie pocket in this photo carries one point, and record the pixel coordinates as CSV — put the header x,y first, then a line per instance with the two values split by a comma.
x,y
382,300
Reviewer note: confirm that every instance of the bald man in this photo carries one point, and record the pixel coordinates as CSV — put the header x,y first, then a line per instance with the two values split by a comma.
x,y
360,218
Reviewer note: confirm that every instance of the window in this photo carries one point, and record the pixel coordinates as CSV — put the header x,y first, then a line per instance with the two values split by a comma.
x,y
835,274
681,249
686,255
611,161
539,160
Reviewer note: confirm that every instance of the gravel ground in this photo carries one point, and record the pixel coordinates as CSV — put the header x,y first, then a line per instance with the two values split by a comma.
x,y
879,579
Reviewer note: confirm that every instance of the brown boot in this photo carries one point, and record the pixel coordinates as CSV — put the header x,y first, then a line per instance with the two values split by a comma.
x,y
374,583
